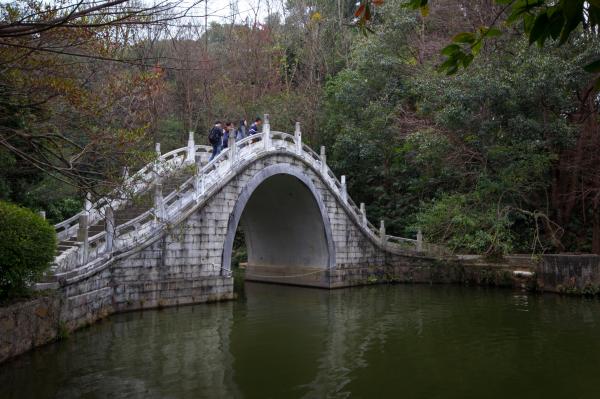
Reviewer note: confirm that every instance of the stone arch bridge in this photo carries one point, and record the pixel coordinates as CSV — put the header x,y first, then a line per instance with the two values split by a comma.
x,y
299,223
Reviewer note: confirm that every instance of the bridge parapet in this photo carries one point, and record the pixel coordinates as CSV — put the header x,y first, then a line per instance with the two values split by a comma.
x,y
208,179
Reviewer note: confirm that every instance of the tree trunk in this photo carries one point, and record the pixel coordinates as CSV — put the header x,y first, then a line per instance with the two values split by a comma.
x,y
596,231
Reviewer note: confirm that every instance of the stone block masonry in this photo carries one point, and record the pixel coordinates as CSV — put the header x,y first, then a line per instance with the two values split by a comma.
x,y
569,274
26,325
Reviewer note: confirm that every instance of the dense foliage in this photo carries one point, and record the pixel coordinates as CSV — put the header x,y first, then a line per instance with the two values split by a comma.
x,y
483,160
499,157
27,246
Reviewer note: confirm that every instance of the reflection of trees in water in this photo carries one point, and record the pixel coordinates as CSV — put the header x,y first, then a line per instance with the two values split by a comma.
x,y
352,330
321,336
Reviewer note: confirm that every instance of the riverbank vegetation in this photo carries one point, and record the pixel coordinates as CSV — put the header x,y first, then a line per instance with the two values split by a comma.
x,y
499,157
27,246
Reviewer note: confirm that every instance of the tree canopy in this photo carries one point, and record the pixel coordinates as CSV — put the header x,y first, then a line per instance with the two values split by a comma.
x,y
495,158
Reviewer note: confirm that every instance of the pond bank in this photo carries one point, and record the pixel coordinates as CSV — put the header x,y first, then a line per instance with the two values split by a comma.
x,y
27,324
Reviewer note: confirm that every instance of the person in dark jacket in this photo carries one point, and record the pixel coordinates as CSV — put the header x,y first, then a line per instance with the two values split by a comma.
x,y
226,133
240,133
254,127
215,137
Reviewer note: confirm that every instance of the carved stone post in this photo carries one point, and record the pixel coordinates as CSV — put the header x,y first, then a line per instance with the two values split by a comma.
x,y
363,213
125,173
199,182
323,161
82,237
87,203
157,161
382,235
419,240
298,139
159,203
109,226
191,149
343,189
267,132
42,214
232,150
87,207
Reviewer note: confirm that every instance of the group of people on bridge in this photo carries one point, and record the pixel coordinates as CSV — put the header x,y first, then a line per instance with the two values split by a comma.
x,y
219,135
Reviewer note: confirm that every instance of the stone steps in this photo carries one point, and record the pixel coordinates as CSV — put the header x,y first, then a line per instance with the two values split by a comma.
x,y
127,213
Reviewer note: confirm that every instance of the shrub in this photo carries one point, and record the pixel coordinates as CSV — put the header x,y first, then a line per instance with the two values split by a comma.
x,y
27,246
468,223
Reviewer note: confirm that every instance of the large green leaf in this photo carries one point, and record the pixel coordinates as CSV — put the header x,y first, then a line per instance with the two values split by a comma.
x,y
464,37
540,28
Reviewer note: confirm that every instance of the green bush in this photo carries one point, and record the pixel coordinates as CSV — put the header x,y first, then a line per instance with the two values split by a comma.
x,y
27,246
468,223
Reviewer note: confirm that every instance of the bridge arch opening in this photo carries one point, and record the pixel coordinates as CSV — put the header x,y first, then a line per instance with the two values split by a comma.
x,y
286,229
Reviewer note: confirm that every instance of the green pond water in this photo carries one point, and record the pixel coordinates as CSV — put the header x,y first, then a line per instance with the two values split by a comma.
x,y
396,341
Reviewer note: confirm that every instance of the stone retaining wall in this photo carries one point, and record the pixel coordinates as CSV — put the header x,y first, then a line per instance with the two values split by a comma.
x,y
400,269
569,274
26,325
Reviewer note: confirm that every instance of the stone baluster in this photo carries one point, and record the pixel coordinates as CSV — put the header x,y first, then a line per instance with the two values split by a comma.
x,y
419,240
191,149
159,202
157,161
298,139
87,206
343,189
382,235
363,213
323,161
82,237
87,203
267,132
179,203
109,227
199,182
233,155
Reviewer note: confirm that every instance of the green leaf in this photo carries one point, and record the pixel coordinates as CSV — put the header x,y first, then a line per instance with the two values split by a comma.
x,y
452,70
572,8
415,4
467,59
452,61
493,32
522,7
450,49
556,24
540,28
573,15
593,67
464,37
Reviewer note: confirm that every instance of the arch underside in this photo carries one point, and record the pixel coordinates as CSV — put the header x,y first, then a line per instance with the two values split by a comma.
x,y
286,228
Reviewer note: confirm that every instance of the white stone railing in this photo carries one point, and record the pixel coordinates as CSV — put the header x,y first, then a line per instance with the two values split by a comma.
x,y
132,186
208,179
